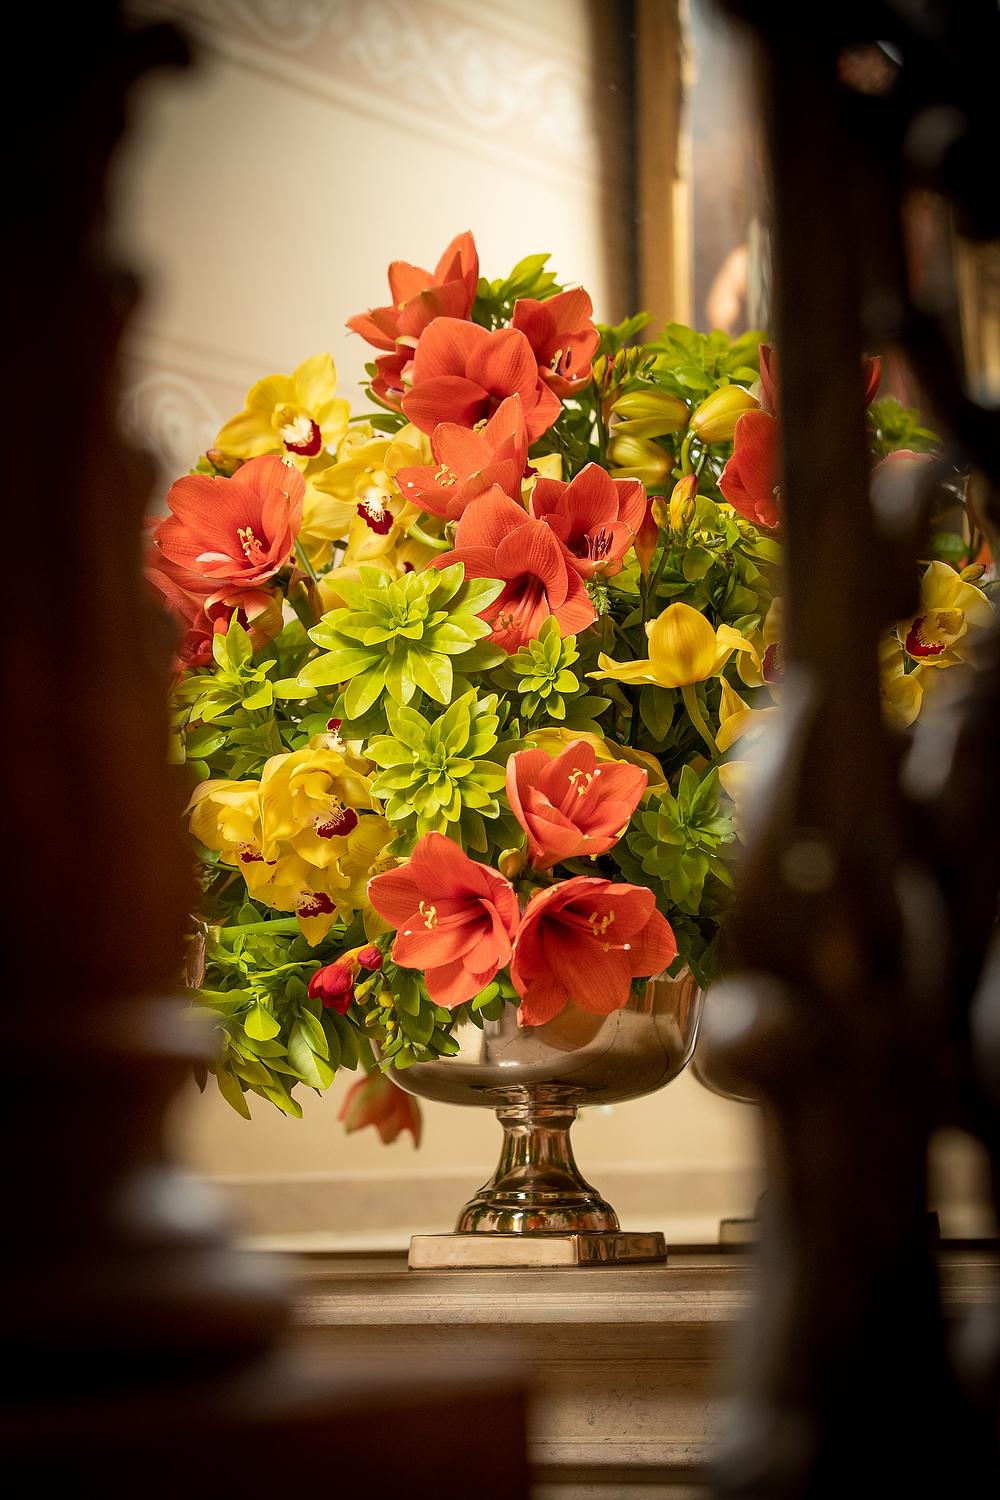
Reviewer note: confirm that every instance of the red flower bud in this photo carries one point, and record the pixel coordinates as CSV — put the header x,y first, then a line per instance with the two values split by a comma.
x,y
370,957
334,985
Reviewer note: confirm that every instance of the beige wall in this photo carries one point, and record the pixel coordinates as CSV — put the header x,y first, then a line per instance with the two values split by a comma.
x,y
262,201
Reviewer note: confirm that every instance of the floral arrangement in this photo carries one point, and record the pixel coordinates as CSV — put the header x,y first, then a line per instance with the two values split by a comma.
x,y
462,678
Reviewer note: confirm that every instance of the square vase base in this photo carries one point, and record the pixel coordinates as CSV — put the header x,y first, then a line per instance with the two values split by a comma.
x,y
466,1252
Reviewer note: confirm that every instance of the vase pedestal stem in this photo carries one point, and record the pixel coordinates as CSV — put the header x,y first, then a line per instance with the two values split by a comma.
x,y
536,1209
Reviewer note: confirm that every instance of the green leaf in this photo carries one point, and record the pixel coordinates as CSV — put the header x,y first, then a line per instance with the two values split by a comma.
x,y
313,1069
260,1024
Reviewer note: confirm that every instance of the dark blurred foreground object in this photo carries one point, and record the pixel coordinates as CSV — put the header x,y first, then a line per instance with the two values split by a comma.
x,y
136,1341
866,1010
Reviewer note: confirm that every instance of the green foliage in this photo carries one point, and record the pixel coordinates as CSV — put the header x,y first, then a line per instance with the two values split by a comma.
x,y
436,777
540,673
678,839
692,364
494,304
237,682
616,336
399,636
272,1035
892,426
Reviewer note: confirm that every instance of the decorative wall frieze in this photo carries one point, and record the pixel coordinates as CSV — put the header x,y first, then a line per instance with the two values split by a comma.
x,y
433,68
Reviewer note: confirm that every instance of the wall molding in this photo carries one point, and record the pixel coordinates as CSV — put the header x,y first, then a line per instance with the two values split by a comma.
x,y
380,1209
423,67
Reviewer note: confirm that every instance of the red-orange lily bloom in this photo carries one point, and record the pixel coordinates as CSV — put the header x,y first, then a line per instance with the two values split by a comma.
x,y
594,516
203,611
234,531
750,479
455,918
561,332
571,807
497,539
377,1101
871,373
418,296
586,940
461,373
470,463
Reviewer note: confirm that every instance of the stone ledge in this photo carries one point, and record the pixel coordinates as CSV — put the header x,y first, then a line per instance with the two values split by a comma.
x,y
625,1364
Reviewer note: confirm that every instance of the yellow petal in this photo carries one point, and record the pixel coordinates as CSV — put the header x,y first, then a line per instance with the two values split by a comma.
x,y
683,648
729,640
249,435
315,381
627,671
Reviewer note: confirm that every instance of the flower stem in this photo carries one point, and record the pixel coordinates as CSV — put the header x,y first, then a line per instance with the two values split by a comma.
x,y
304,563
685,455
696,716
281,924
419,535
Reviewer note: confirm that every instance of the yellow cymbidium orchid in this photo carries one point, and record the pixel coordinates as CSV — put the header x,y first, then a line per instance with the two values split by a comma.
x,y
951,612
225,816
299,416
901,693
311,800
357,497
318,896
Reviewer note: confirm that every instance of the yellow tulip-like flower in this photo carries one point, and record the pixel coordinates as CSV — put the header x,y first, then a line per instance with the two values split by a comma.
x,y
299,416
357,497
737,718
683,650
951,614
638,458
901,692
715,419
764,664
647,413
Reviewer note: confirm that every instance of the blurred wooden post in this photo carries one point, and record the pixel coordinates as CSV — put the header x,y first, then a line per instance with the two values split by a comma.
x,y
862,916
138,1343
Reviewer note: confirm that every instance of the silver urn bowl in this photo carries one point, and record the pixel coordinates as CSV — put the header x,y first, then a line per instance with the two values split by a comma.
x,y
537,1209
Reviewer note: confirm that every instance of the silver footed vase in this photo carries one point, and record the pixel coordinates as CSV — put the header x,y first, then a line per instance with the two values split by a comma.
x,y
537,1208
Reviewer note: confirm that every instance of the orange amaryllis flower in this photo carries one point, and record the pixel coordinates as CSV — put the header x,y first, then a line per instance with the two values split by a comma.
x,y
497,539
461,373
202,610
750,479
871,374
561,332
571,807
586,940
594,516
418,297
470,463
377,1101
234,531
454,918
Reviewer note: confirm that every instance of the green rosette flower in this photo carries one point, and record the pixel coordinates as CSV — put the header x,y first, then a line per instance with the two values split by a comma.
x,y
678,840
435,776
398,636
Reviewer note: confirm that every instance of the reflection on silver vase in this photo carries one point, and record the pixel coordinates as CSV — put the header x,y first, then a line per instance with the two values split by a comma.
x,y
537,1209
